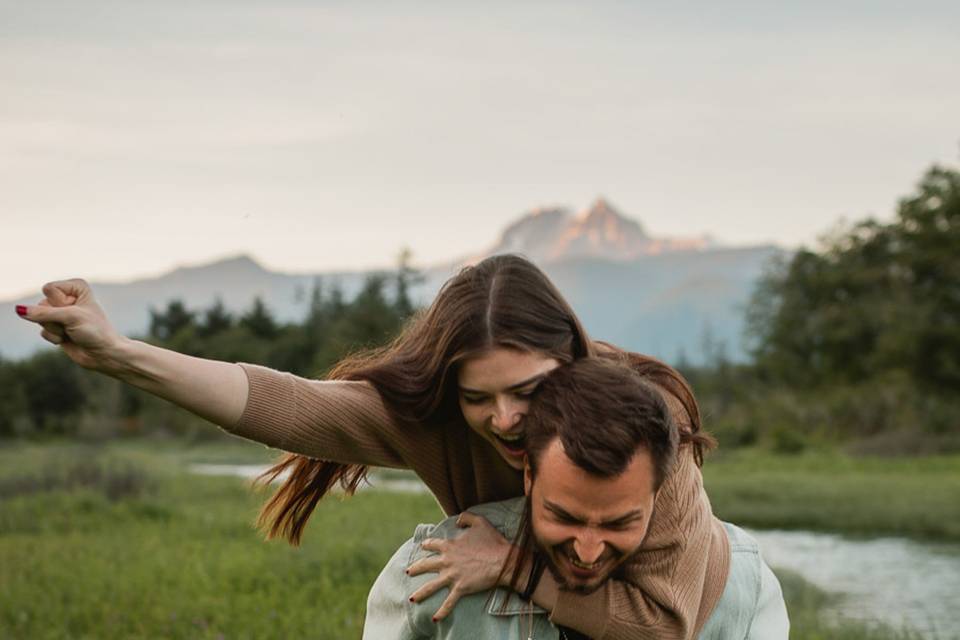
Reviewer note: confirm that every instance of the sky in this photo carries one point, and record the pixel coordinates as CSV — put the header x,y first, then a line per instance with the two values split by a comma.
x,y
139,136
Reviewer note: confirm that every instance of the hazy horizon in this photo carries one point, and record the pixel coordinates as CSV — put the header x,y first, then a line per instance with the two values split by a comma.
x,y
138,137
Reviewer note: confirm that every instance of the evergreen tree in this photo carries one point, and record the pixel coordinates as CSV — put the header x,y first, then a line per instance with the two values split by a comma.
x,y
370,319
52,392
12,399
166,324
216,320
406,277
259,321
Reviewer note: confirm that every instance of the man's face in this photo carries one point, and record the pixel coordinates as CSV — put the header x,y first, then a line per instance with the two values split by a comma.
x,y
588,526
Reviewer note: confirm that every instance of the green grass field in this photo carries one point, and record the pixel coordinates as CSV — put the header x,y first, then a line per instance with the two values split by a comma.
x,y
118,541
827,491
178,557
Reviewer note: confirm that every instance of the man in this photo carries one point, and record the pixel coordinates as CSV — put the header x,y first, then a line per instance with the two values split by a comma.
x,y
599,444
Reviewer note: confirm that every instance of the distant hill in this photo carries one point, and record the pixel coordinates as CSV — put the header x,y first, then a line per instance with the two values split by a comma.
x,y
655,295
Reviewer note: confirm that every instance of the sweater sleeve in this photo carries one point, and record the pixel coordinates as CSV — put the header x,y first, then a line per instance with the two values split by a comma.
x,y
339,421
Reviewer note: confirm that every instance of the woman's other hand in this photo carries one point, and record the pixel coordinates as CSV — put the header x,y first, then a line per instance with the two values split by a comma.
x,y
71,318
470,563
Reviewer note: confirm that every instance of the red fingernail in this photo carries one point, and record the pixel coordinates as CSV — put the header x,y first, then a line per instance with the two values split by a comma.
x,y
21,310
434,618
411,599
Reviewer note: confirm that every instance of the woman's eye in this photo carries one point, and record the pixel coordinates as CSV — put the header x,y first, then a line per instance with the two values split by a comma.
x,y
474,399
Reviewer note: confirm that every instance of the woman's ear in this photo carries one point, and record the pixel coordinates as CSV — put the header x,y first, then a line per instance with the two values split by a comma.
x,y
527,479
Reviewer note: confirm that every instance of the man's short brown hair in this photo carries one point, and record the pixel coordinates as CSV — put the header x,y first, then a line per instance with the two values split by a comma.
x,y
603,413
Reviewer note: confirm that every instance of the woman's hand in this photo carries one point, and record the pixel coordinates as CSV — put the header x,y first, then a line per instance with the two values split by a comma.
x,y
70,317
467,564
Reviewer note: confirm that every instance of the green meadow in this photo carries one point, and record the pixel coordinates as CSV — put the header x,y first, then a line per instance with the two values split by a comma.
x,y
120,541
827,491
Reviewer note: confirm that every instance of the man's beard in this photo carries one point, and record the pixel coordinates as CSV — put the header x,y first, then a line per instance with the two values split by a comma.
x,y
611,564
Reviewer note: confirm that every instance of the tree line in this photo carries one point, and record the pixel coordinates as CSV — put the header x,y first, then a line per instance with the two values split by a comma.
x,y
856,341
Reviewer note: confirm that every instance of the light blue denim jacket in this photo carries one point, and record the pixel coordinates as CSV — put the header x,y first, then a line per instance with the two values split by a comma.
x,y
750,608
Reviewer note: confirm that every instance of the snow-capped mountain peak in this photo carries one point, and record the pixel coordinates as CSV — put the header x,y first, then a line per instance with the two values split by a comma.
x,y
549,234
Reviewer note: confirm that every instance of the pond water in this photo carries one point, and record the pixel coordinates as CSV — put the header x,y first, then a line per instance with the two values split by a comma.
x,y
896,581
893,580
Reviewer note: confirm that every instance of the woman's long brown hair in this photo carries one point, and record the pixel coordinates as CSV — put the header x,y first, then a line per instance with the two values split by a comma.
x,y
503,301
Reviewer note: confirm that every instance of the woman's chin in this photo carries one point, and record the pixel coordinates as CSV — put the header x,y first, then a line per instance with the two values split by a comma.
x,y
513,457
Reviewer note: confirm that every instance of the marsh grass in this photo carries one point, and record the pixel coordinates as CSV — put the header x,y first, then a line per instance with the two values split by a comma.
x,y
115,481
831,492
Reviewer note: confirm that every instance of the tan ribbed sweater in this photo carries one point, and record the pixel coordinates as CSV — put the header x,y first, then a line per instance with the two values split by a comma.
x,y
666,592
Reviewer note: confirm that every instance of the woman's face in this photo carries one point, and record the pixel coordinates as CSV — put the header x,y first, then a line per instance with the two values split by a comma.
x,y
495,389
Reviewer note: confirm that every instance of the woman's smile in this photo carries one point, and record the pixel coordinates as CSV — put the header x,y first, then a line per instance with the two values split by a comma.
x,y
515,443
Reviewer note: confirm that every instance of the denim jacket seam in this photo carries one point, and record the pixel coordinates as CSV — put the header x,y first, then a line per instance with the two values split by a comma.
x,y
758,591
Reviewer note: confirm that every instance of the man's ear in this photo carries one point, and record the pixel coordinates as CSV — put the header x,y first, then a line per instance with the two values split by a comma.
x,y
527,479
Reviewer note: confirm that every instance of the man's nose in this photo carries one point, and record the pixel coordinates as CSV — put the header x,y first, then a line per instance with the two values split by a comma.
x,y
588,546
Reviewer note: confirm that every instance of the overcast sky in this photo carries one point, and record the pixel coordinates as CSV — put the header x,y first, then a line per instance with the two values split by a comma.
x,y
136,136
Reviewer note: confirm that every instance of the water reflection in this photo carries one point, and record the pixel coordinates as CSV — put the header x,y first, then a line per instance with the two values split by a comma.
x,y
892,580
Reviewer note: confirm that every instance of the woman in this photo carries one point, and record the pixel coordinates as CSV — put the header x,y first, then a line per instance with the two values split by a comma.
x,y
446,399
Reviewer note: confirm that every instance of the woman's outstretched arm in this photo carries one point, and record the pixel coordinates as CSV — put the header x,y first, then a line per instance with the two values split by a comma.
x,y
340,421
70,317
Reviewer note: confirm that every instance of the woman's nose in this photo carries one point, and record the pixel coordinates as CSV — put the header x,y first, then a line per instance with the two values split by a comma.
x,y
505,416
